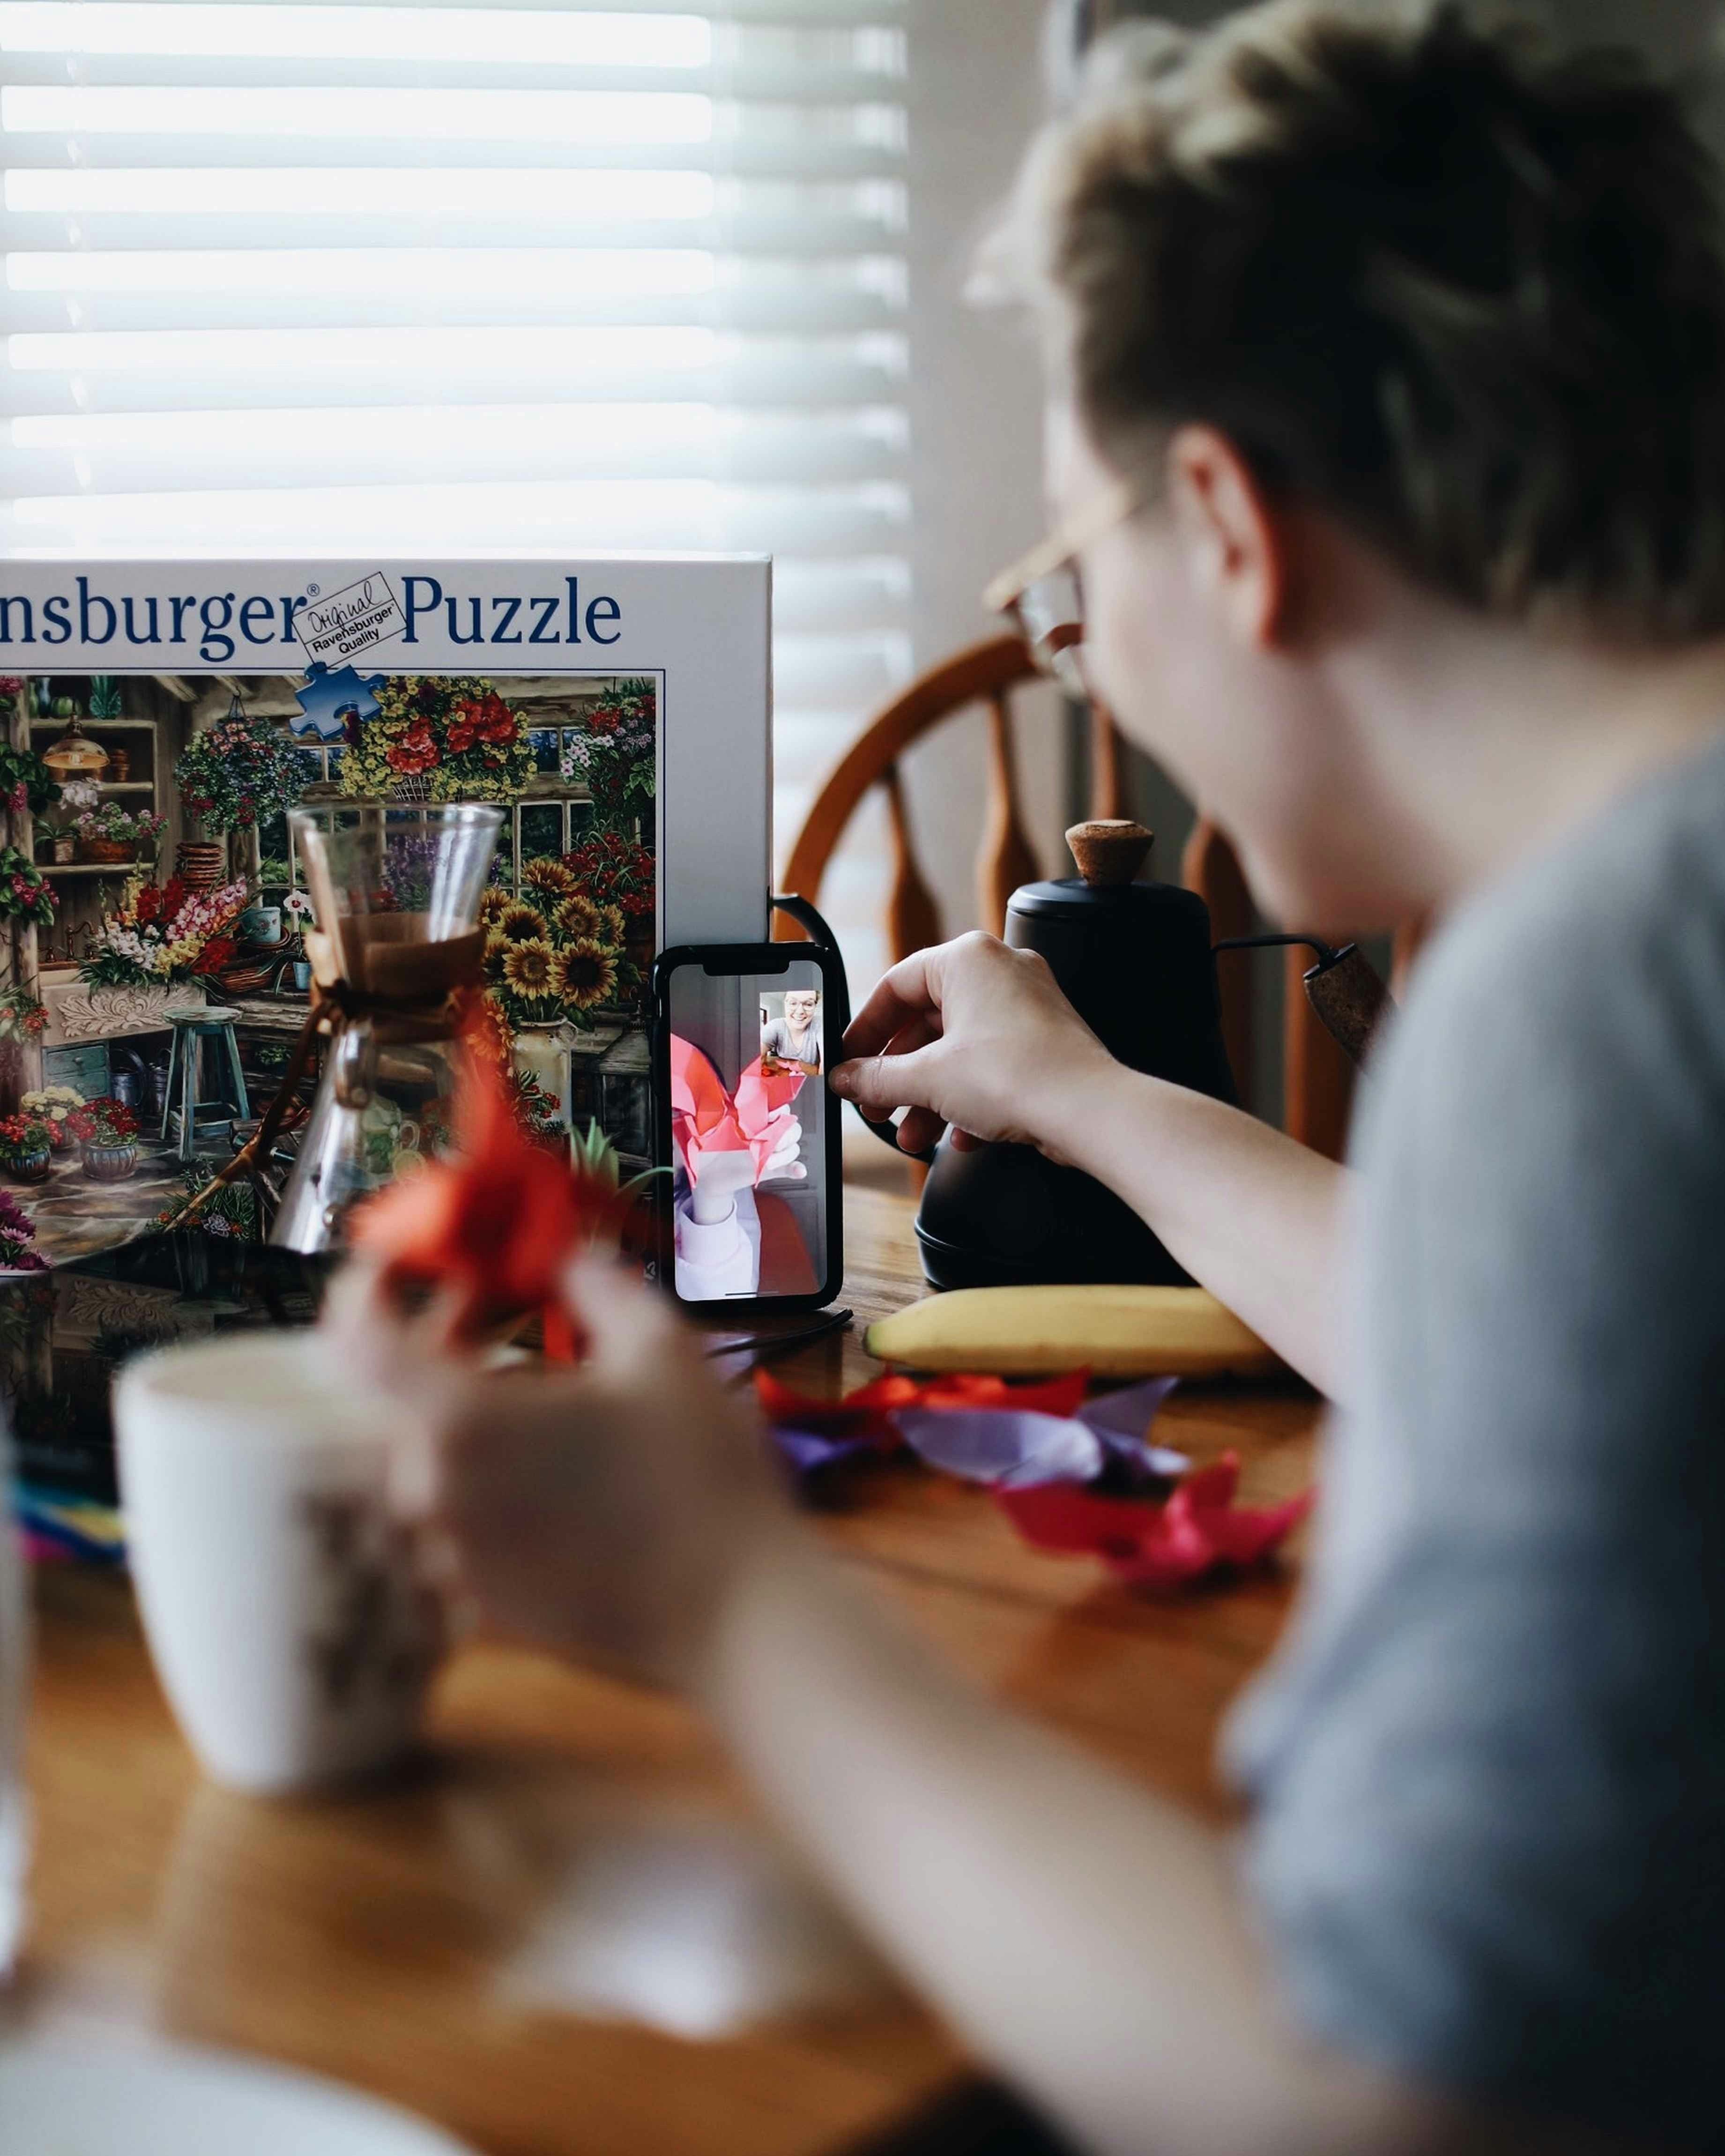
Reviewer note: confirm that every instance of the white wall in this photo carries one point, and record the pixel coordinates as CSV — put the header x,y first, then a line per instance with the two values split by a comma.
x,y
976,94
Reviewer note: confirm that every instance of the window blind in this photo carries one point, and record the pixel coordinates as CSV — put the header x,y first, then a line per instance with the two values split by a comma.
x,y
292,277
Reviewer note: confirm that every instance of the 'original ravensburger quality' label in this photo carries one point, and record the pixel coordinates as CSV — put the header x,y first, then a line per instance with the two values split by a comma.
x,y
339,626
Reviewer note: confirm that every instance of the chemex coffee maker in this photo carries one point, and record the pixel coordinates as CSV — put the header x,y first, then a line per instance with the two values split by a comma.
x,y
1136,961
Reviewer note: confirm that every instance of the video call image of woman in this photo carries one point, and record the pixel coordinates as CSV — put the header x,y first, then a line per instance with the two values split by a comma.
x,y
749,1222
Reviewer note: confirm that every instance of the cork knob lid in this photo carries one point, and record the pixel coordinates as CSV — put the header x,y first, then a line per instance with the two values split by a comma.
x,y
1110,851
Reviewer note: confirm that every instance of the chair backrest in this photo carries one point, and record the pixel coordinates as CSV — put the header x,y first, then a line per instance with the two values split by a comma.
x,y
985,674
1317,1085
1318,1078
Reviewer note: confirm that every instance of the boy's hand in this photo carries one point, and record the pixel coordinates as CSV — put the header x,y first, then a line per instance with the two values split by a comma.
x,y
602,1512
973,1035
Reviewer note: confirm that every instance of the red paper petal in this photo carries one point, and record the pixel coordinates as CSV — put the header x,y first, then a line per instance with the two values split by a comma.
x,y
861,1413
759,1096
864,1413
1055,1396
1158,1546
498,1223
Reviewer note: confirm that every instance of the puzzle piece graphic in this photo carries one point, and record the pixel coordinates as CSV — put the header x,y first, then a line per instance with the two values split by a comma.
x,y
328,700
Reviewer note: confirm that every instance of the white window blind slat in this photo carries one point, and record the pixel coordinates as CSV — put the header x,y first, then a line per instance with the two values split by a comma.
x,y
284,277
572,516
647,39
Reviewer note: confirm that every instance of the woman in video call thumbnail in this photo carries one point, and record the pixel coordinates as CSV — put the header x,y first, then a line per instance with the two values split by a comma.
x,y
794,1041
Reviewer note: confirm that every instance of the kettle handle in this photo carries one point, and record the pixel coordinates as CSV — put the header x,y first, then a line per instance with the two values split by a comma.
x,y
1343,988
810,918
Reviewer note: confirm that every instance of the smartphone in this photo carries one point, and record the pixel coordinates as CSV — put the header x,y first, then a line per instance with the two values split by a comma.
x,y
753,1211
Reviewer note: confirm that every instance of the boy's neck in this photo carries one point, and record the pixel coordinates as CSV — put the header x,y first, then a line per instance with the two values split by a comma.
x,y
1485,743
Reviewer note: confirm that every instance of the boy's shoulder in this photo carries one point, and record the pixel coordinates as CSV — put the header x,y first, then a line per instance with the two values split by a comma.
x,y
1598,966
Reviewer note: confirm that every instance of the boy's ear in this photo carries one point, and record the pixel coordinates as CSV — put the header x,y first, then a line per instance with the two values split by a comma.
x,y
1235,545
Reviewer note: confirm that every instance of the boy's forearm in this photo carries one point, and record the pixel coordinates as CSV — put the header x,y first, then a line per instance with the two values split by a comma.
x,y
1087,1939
1254,1216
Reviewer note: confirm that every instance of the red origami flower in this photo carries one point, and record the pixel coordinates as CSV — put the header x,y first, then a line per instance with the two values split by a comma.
x,y
498,1224
866,1413
1165,1546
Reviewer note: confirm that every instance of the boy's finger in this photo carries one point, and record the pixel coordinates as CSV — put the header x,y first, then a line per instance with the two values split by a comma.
x,y
903,992
879,1083
919,1132
626,1323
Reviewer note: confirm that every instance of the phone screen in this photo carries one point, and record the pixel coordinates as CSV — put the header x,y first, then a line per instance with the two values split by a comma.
x,y
748,1111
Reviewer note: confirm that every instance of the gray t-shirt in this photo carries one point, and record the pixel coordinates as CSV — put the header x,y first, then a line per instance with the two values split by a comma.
x,y
778,1039
1489,1766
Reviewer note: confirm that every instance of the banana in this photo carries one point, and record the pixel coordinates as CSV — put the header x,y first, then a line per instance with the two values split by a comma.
x,y
1116,1332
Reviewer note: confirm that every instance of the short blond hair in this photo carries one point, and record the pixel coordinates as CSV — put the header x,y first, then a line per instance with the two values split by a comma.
x,y
1432,275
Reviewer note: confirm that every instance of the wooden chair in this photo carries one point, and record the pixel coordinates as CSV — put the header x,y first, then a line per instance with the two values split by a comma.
x,y
1318,1079
985,674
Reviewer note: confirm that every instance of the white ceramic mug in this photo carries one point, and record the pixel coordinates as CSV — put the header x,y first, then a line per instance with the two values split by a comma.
x,y
277,1595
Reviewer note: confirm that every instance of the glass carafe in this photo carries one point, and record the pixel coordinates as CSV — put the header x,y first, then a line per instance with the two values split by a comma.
x,y
395,892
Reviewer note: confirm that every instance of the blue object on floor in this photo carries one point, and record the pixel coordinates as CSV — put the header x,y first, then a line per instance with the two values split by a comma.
x,y
191,1029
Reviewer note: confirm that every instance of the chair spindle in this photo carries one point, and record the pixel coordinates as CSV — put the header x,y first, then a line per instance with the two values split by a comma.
x,y
1005,858
912,917
1212,869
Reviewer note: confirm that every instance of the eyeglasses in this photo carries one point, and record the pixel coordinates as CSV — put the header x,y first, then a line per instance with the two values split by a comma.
x,y
1041,593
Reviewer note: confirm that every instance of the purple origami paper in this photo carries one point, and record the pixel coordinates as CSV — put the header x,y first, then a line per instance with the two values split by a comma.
x,y
806,1449
1019,1448
1001,1444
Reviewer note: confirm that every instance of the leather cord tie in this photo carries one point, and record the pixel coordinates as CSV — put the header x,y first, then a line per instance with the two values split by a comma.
x,y
406,990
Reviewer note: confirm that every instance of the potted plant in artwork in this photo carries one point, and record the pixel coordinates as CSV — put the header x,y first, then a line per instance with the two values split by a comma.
x,y
110,833
23,1017
53,1105
28,787
57,828
25,893
162,933
616,870
18,1238
238,774
229,1213
26,1150
296,913
107,1130
618,754
553,956
439,737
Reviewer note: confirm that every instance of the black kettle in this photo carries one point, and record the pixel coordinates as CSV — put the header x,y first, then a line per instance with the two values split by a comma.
x,y
1137,963
1134,960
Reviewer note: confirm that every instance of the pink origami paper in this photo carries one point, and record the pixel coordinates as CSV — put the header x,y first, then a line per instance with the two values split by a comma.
x,y
706,1118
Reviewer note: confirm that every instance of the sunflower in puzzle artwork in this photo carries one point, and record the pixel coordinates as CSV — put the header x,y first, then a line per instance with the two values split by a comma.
x,y
555,953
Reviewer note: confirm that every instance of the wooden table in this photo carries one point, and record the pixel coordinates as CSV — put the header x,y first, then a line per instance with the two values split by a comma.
x,y
425,1942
